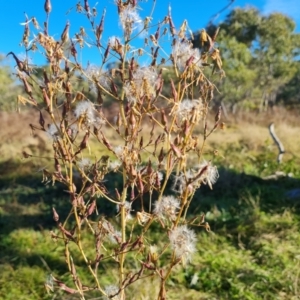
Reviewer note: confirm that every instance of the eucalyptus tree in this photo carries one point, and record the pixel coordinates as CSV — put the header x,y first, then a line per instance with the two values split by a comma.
x,y
260,54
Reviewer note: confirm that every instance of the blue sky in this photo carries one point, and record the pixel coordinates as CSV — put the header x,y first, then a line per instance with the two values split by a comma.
x,y
197,12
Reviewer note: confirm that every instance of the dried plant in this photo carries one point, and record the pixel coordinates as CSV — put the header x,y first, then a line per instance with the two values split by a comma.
x,y
155,132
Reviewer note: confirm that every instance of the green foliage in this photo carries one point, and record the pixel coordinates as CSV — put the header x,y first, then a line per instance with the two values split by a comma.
x,y
8,88
260,58
251,253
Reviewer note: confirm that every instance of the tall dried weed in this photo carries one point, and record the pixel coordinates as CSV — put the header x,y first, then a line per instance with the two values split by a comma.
x,y
156,133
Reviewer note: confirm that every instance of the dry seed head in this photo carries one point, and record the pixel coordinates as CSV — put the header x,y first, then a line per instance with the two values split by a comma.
x,y
183,53
111,291
181,182
96,75
130,20
128,209
183,242
52,131
167,207
84,163
142,84
206,173
85,113
211,175
115,44
190,109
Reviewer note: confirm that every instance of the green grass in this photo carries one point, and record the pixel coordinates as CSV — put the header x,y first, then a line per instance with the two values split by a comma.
x,y
252,251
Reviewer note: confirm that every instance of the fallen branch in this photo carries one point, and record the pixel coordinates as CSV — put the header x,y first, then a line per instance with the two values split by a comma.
x,y
277,142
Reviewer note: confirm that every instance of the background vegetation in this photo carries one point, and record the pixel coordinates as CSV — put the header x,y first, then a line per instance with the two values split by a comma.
x,y
253,249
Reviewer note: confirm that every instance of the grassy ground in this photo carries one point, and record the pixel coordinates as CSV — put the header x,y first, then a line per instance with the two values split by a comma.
x,y
251,253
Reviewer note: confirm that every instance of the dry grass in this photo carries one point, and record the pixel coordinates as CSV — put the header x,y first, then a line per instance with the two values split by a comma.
x,y
16,136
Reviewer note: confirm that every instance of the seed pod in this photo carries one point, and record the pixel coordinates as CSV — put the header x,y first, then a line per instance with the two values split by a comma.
x,y
189,61
91,208
106,142
132,120
160,86
207,227
174,92
171,24
55,215
153,39
133,3
67,233
141,142
182,29
79,96
26,155
99,97
86,6
119,121
57,166
46,79
161,155
157,180
26,32
157,33
83,144
100,28
114,89
47,6
205,130
203,37
140,183
131,68
149,168
132,195
73,50
176,151
20,64
35,23
132,172
27,87
67,68
46,98
186,127
65,34
201,173
118,194
218,115
106,53
164,120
